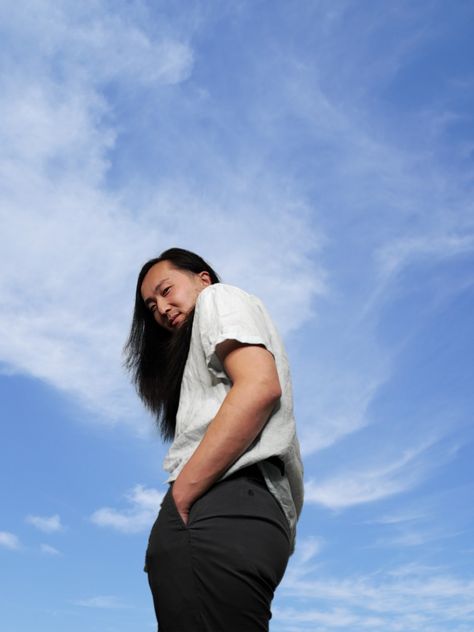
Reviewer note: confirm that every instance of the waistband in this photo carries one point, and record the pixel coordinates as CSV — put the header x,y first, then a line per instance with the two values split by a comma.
x,y
255,472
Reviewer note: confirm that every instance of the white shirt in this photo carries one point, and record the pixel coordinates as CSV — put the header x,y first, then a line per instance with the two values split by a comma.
x,y
225,312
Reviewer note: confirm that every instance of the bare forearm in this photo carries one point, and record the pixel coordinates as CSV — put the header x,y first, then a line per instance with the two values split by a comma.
x,y
239,420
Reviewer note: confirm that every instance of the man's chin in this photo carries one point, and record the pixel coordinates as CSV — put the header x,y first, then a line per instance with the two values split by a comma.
x,y
177,322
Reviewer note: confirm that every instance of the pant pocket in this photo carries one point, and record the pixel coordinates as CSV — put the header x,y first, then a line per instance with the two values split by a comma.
x,y
172,505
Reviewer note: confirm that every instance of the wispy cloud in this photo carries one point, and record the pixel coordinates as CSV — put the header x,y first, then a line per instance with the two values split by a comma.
x,y
308,548
85,240
145,503
411,597
338,400
393,257
402,516
369,484
102,602
95,45
309,169
49,550
415,537
334,618
47,524
62,139
55,138
9,540
401,205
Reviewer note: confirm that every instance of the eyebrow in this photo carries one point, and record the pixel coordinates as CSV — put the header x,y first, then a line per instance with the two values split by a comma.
x,y
157,289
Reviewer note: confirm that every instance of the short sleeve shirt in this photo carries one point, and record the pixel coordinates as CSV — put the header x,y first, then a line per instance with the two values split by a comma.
x,y
224,312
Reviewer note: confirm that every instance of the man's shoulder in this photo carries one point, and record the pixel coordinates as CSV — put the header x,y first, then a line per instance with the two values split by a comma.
x,y
223,291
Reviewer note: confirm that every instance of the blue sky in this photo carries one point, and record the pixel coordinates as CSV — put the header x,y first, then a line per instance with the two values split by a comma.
x,y
319,155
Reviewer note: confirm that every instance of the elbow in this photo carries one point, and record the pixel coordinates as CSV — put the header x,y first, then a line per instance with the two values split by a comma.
x,y
277,393
266,392
273,392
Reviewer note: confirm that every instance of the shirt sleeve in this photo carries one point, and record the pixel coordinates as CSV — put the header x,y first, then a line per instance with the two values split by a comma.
x,y
228,313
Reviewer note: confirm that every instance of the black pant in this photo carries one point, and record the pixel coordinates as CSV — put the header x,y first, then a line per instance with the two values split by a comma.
x,y
218,573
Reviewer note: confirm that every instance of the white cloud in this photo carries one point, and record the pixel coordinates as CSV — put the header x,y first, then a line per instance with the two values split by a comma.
x,y
401,516
49,550
354,188
371,483
85,239
392,256
74,245
337,617
69,328
101,601
308,548
397,206
339,398
95,45
412,597
410,537
145,503
9,540
48,524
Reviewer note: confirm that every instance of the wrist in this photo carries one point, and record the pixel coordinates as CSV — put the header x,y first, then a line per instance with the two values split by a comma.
x,y
181,494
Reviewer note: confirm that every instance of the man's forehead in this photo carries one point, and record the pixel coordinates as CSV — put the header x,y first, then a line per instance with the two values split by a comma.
x,y
159,271
155,280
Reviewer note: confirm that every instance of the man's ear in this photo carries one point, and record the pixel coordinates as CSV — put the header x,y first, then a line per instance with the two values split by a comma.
x,y
205,277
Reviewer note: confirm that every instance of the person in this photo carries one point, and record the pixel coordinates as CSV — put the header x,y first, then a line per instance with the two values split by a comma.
x,y
207,360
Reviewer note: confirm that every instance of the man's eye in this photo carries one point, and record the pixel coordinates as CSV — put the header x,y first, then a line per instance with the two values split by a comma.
x,y
165,291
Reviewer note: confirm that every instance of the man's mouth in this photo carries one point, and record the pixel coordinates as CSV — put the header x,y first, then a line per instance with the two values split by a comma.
x,y
172,321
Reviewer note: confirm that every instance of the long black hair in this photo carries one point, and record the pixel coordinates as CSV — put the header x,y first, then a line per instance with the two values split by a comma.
x,y
156,357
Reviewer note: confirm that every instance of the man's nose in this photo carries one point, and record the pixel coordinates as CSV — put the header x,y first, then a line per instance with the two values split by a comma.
x,y
162,306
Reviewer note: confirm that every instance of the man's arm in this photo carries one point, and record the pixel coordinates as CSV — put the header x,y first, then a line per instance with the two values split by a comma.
x,y
242,415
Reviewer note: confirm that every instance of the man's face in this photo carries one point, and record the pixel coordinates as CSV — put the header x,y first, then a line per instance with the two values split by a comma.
x,y
171,293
